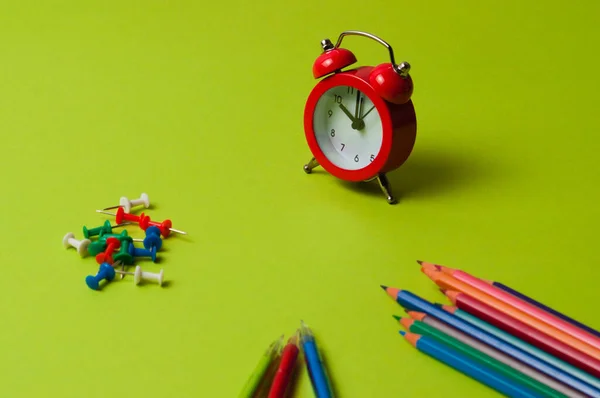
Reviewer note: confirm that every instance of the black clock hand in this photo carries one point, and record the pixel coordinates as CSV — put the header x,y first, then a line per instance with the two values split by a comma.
x,y
347,112
358,102
360,109
365,115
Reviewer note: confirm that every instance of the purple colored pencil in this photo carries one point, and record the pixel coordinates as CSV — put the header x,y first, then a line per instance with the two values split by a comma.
x,y
545,308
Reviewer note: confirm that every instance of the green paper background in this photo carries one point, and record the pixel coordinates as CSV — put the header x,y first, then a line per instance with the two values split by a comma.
x,y
200,105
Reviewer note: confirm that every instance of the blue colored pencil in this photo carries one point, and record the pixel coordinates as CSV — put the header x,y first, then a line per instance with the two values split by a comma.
x,y
409,300
469,367
316,371
545,308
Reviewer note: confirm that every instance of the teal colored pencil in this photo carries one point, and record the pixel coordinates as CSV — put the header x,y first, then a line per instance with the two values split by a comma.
x,y
534,351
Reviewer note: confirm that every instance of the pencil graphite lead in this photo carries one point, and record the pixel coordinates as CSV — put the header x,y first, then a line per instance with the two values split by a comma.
x,y
383,287
396,317
420,262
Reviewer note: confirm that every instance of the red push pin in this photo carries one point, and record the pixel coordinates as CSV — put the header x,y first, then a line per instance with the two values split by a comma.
x,y
112,244
165,226
143,221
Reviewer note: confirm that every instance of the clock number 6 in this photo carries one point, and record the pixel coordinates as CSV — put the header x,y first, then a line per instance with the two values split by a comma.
x,y
356,158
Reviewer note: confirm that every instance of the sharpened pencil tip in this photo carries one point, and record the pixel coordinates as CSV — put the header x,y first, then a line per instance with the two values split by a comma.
x,y
420,262
402,332
383,287
396,317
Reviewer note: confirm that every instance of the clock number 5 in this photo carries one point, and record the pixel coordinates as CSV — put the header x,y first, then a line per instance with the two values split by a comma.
x,y
372,158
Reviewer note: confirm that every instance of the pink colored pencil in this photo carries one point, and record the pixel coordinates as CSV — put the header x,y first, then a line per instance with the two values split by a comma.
x,y
519,304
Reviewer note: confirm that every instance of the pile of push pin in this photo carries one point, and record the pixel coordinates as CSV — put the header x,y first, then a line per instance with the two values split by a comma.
x,y
113,251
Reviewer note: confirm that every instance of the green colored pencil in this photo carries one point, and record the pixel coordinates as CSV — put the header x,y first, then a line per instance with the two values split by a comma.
x,y
422,328
534,351
261,368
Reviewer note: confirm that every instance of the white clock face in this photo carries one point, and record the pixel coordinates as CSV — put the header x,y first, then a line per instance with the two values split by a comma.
x,y
347,128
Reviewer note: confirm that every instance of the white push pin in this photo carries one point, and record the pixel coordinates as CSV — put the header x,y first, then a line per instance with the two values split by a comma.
x,y
127,204
81,245
139,275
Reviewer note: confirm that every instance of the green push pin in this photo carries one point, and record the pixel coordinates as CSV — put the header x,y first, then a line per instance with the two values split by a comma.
x,y
105,235
106,228
123,256
96,247
123,235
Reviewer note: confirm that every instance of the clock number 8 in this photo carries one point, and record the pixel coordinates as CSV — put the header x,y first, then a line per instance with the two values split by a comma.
x,y
332,132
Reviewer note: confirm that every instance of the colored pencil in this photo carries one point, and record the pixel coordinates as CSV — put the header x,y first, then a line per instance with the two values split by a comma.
x,y
261,368
447,282
536,352
521,305
286,368
523,297
518,329
412,301
497,355
467,366
544,307
314,365
512,373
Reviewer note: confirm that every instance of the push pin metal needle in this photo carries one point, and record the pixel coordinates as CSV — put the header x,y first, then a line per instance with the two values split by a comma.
x,y
140,275
143,221
127,204
122,273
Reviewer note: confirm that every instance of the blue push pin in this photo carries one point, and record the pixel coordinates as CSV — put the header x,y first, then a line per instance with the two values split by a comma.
x,y
152,239
105,271
137,252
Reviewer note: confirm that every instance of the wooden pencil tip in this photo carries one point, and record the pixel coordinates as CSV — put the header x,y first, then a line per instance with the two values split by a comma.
x,y
383,287
396,317
420,262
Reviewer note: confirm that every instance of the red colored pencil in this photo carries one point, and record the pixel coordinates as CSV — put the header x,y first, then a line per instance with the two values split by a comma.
x,y
525,332
286,367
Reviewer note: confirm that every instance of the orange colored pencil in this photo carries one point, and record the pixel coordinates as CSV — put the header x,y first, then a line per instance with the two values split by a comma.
x,y
523,306
447,282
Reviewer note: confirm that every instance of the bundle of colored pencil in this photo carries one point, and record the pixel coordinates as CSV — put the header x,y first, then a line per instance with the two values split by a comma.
x,y
501,337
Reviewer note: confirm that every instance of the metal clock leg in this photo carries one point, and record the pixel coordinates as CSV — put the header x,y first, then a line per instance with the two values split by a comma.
x,y
385,187
310,166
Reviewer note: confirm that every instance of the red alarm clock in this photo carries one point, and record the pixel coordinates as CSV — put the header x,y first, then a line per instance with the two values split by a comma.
x,y
359,123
